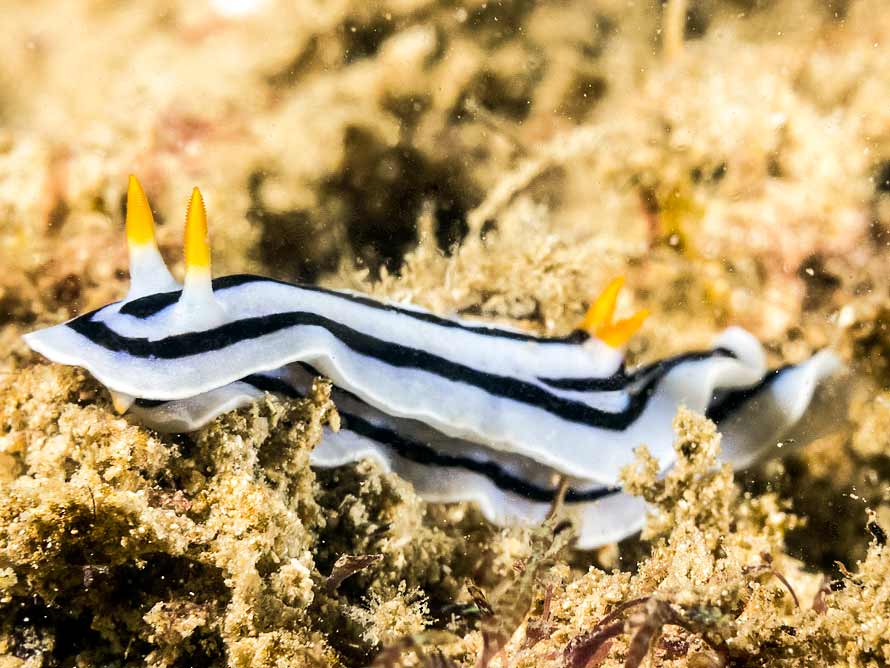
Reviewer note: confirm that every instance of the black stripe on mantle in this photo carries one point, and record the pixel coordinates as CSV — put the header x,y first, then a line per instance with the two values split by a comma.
x,y
621,379
149,305
189,344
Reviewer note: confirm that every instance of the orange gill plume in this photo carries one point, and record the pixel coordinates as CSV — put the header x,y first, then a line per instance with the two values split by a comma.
x,y
599,319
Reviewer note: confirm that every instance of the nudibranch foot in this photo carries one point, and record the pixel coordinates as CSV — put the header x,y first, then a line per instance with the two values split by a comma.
x,y
508,489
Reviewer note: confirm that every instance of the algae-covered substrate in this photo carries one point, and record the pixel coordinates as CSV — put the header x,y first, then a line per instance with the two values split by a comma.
x,y
499,160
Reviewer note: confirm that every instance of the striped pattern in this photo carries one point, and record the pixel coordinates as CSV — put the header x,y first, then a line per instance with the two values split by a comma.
x,y
505,391
464,410
220,339
151,305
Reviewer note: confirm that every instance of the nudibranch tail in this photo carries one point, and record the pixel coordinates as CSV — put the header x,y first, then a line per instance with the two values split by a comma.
x,y
790,405
197,308
148,273
598,321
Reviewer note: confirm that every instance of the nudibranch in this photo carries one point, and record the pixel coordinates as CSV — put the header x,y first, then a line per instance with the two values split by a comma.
x,y
463,410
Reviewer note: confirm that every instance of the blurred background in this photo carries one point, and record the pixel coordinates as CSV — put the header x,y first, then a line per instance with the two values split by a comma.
x,y
321,132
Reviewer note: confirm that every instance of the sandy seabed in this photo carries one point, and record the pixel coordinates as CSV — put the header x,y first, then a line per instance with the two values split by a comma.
x,y
500,160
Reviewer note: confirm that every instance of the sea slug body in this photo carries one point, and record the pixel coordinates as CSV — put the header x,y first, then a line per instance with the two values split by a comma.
x,y
463,410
